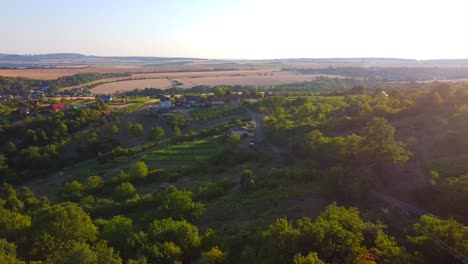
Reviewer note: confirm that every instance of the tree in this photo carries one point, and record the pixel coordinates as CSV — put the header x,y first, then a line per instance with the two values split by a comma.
x,y
72,191
233,141
93,183
178,204
138,170
177,132
124,191
3,165
115,129
220,91
77,252
213,256
279,242
168,235
437,100
247,180
157,133
136,130
387,251
379,144
117,232
175,120
12,222
431,232
8,253
311,258
65,222
11,147
336,235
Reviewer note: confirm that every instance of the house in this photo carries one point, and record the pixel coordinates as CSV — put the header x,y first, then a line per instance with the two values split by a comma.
x,y
191,100
165,186
23,111
55,108
241,131
165,102
106,97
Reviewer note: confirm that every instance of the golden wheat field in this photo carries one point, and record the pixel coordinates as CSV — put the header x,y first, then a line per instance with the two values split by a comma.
x,y
187,80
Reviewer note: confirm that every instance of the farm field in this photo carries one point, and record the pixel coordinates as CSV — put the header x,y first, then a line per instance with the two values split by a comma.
x,y
123,86
54,73
248,78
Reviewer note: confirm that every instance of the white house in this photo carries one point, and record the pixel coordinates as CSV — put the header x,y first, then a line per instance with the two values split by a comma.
x,y
165,102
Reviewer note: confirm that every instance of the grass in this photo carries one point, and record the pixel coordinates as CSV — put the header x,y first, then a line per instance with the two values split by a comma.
x,y
131,108
211,113
187,152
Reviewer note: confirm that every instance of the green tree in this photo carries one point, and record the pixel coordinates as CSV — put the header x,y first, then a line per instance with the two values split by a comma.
x,y
65,222
138,170
181,233
124,191
8,253
387,251
311,258
93,183
115,129
439,241
72,191
176,120
165,253
178,204
78,252
220,91
279,242
12,222
336,235
233,141
3,165
11,147
247,180
213,256
177,132
157,133
379,144
117,231
136,130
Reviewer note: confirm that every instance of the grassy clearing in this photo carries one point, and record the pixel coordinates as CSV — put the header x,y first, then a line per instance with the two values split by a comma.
x,y
187,152
131,108
211,113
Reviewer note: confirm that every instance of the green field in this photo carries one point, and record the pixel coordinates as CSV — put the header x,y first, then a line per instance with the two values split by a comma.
x,y
210,113
131,108
188,152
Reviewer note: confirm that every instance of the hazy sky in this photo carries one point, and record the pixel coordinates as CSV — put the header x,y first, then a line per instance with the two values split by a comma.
x,y
256,29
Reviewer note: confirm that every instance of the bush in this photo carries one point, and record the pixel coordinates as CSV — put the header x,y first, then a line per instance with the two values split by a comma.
x,y
138,170
136,130
124,191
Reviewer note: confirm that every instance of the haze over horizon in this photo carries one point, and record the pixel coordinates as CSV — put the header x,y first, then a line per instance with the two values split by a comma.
x,y
241,29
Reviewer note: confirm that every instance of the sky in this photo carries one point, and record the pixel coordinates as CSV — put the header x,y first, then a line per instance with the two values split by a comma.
x,y
237,29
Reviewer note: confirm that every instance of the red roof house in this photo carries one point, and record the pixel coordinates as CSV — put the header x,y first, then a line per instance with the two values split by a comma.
x,y
55,108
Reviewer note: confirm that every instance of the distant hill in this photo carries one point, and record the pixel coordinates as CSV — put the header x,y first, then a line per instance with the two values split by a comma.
x,y
74,59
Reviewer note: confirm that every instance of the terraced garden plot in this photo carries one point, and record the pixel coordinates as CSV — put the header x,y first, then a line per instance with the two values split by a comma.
x,y
210,113
187,152
130,108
